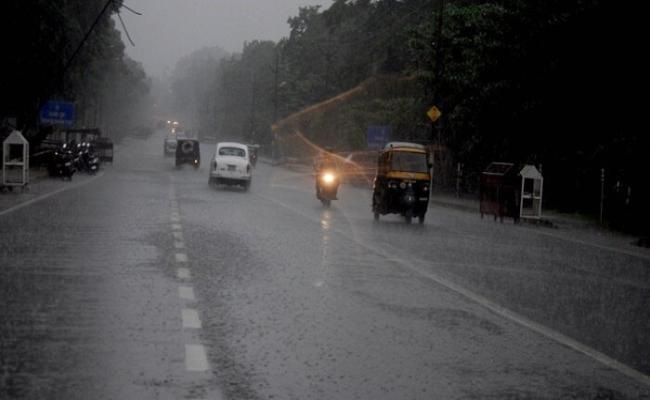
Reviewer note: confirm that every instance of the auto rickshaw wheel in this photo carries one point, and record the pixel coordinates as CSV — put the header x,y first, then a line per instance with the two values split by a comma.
x,y
326,202
421,219
408,217
376,216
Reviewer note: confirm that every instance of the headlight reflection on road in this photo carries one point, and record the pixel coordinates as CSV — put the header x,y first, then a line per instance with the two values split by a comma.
x,y
325,224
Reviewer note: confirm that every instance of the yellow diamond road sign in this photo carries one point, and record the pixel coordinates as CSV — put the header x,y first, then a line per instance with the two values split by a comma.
x,y
434,113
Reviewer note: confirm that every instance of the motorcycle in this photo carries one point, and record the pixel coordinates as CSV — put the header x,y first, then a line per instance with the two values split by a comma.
x,y
327,186
62,163
87,160
91,159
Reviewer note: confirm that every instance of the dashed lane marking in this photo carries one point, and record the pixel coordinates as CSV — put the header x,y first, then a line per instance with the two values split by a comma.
x,y
183,273
195,358
177,227
190,318
186,293
181,257
178,235
179,245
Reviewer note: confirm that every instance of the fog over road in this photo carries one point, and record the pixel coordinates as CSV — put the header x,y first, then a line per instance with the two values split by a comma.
x,y
146,283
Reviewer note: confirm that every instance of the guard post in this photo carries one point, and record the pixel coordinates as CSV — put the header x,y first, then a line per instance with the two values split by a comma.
x,y
15,161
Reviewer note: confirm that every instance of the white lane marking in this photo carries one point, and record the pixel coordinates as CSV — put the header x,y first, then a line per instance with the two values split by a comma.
x,y
176,227
191,318
46,195
181,257
178,235
186,293
488,304
183,273
195,358
175,218
179,245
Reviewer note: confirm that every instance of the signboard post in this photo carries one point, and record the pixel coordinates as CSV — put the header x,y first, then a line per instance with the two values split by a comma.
x,y
378,136
56,112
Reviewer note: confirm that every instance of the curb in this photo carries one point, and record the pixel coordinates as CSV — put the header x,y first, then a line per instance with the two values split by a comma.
x,y
461,207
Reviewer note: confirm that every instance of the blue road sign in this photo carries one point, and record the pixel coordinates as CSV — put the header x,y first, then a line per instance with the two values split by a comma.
x,y
57,113
378,136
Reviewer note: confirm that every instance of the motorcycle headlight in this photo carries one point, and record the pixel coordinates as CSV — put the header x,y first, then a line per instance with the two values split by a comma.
x,y
328,177
402,185
425,188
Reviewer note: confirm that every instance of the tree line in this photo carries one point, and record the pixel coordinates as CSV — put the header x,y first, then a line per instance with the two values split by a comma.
x,y
538,81
40,38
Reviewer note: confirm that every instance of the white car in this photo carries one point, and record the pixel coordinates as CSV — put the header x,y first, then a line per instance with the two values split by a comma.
x,y
231,165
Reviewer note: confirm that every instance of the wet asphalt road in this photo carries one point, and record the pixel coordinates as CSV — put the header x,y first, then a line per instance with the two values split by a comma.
x,y
118,288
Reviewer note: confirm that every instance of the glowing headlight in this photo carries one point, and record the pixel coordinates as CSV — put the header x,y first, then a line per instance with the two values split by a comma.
x,y
328,178
402,185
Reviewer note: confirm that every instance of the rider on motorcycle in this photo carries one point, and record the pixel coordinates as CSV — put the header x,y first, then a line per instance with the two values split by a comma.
x,y
327,175
325,160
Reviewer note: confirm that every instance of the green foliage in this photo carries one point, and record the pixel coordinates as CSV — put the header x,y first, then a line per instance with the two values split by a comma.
x,y
521,81
40,38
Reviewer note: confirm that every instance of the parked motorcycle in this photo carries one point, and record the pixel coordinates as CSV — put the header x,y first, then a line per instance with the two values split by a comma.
x,y
62,163
86,159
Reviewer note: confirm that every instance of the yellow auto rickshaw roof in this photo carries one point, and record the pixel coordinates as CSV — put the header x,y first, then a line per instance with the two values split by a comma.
x,y
407,149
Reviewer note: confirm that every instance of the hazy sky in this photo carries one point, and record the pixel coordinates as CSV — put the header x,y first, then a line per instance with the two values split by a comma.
x,y
170,29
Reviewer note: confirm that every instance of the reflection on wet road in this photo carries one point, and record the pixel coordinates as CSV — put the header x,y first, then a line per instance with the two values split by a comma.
x,y
147,283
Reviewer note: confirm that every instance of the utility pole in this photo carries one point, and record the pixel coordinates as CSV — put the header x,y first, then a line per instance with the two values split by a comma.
x,y
602,195
276,73
439,70
252,113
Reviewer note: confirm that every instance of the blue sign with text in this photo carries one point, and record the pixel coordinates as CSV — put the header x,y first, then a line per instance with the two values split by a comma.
x,y
57,113
378,136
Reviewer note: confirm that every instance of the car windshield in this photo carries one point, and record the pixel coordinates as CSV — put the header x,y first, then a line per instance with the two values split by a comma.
x,y
407,161
232,151
356,199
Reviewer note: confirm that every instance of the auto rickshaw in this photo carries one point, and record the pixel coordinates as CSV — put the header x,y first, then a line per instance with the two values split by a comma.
x,y
188,152
401,185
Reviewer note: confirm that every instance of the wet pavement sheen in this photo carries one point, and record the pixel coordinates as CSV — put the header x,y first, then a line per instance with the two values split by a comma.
x,y
289,300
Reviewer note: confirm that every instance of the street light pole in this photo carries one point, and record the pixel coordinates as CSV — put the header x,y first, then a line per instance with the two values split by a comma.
x,y
438,70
